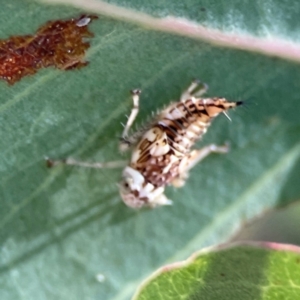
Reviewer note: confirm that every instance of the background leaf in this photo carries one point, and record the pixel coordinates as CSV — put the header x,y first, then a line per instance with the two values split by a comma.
x,y
64,232
245,271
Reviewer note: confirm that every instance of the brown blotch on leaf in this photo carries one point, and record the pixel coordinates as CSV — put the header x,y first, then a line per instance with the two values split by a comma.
x,y
60,43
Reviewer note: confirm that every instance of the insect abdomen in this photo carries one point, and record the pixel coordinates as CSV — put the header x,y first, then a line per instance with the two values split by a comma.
x,y
185,122
170,138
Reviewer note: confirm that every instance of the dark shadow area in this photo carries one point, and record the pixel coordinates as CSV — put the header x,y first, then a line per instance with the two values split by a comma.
x,y
279,226
291,190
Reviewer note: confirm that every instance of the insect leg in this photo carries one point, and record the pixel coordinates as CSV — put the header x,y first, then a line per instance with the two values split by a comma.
x,y
159,201
194,158
196,89
124,143
134,112
72,162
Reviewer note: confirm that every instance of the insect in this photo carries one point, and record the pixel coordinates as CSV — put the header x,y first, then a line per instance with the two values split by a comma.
x,y
162,153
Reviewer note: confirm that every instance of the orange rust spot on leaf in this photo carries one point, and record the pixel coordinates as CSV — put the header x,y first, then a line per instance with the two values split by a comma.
x,y
58,43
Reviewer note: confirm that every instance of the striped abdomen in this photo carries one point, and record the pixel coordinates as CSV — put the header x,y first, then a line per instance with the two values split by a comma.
x,y
169,140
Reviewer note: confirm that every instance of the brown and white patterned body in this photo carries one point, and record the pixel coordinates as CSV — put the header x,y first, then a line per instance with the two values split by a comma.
x,y
163,154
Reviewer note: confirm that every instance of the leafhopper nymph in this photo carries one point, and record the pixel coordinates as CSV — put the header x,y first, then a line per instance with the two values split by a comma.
x,y
163,154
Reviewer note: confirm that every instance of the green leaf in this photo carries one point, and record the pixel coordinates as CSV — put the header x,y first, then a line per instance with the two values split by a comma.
x,y
64,232
233,271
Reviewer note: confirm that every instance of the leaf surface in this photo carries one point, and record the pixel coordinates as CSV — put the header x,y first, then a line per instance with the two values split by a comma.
x,y
64,232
